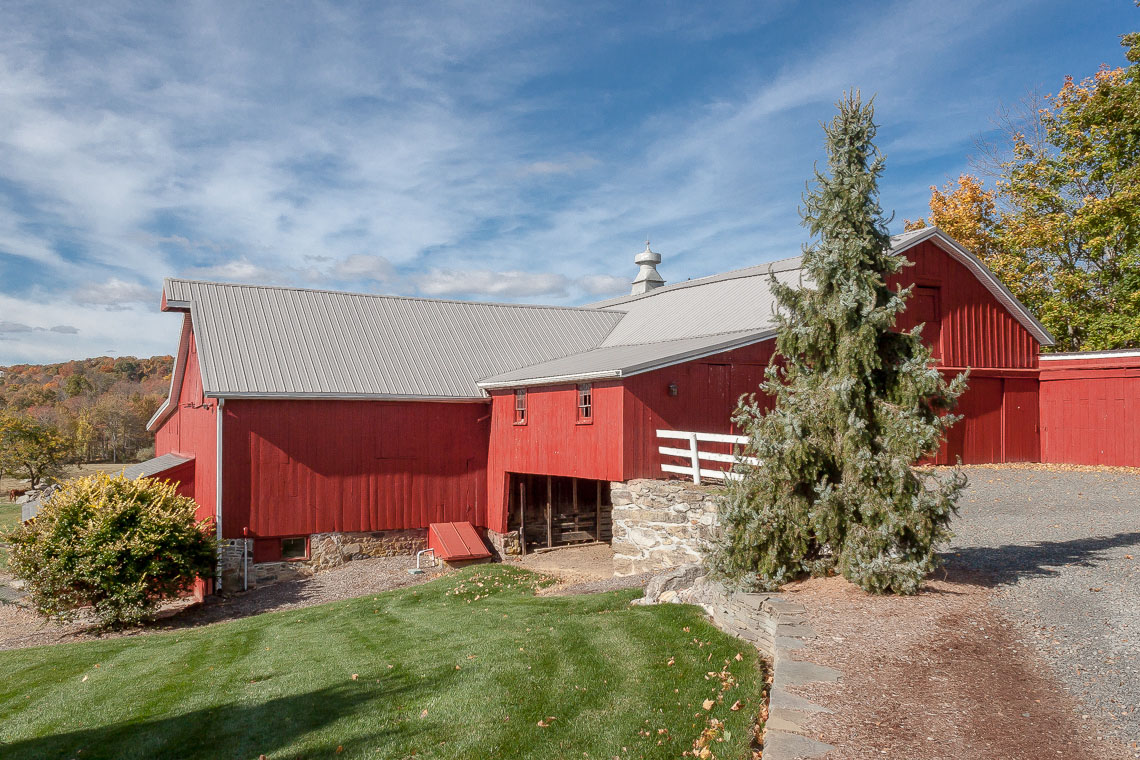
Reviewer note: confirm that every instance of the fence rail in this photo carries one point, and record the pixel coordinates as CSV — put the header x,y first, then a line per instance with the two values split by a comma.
x,y
694,455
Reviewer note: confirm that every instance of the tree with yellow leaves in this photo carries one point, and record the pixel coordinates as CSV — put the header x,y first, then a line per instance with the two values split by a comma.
x,y
1061,228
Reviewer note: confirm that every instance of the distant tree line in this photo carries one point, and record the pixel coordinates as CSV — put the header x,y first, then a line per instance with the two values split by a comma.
x,y
88,410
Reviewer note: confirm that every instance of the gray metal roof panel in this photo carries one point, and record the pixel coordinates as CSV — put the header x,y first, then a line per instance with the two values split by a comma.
x,y
154,466
625,360
269,341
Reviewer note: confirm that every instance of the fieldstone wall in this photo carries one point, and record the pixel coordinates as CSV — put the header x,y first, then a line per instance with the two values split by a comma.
x,y
326,551
659,524
504,544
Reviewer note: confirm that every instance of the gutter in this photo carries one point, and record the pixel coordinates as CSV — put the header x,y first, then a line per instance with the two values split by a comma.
x,y
219,410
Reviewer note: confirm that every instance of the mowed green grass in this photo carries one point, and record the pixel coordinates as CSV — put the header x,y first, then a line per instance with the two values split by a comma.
x,y
463,667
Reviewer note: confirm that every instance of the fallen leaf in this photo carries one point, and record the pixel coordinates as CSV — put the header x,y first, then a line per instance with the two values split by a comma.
x,y
423,714
670,662
355,676
84,679
736,705
339,748
738,657
708,704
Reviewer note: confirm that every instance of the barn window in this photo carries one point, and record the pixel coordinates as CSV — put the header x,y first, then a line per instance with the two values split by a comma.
x,y
520,406
295,548
585,403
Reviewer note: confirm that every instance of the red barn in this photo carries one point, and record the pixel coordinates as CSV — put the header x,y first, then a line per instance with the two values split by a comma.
x,y
324,425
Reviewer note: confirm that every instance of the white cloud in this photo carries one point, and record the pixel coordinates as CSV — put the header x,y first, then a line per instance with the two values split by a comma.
x,y
114,294
241,270
605,285
486,283
361,266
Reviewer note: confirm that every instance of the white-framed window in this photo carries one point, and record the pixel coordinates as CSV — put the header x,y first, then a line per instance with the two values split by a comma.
x,y
520,406
585,402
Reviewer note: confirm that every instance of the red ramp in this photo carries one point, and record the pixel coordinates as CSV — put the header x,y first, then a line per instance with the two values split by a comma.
x,y
456,541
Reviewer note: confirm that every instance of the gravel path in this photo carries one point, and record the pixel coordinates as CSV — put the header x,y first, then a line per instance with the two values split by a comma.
x,y
1062,549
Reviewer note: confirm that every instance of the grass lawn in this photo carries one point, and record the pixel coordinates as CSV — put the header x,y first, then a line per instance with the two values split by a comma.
x,y
463,667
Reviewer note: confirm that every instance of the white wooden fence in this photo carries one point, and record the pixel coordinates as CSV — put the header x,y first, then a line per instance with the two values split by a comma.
x,y
694,455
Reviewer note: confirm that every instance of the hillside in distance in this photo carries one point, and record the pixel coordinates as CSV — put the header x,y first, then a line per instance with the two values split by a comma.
x,y
102,403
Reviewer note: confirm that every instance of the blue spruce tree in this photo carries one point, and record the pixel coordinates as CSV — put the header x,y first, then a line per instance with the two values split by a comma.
x,y
856,405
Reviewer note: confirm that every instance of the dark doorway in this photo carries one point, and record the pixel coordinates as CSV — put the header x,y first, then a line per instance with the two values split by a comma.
x,y
559,511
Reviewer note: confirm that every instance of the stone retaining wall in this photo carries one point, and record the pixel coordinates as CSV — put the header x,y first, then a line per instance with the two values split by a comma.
x,y
659,524
504,544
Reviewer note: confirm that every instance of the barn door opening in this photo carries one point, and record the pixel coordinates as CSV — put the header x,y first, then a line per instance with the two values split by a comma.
x,y
559,511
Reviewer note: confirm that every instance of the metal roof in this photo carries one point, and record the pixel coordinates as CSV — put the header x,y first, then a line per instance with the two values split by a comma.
x,y
625,359
152,467
272,342
267,342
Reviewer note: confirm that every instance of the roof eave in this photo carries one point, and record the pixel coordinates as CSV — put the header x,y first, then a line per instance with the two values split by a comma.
x,y
336,396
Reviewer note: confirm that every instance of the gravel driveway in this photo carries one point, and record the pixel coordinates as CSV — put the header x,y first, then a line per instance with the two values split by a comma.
x,y
1062,548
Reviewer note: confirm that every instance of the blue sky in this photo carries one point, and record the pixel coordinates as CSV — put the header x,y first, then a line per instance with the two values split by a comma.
x,y
497,151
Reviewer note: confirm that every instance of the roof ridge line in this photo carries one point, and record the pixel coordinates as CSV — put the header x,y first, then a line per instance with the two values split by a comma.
x,y
504,304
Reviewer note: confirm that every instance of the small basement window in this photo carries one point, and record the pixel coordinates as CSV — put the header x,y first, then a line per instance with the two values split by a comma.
x,y
294,548
520,406
585,403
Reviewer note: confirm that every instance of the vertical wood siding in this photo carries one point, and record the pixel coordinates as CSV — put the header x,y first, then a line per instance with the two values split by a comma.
x,y
192,431
1090,412
295,467
707,394
976,330
553,442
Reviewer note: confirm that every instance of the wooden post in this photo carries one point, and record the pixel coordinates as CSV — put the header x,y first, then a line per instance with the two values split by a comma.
x,y
574,500
549,512
522,516
694,458
598,515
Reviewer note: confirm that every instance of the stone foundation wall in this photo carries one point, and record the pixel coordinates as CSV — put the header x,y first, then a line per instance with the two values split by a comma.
x,y
659,524
326,551
504,544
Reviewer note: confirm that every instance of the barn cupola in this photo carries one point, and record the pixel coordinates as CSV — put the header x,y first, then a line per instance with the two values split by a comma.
x,y
648,277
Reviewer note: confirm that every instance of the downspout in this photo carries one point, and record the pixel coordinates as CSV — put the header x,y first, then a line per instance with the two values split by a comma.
x,y
219,409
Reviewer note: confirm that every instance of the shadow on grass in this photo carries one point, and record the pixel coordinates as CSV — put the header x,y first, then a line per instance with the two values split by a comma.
x,y
238,730
1002,565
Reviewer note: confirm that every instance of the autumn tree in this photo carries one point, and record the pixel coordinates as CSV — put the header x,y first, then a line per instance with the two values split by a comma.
x,y
30,449
856,404
1061,226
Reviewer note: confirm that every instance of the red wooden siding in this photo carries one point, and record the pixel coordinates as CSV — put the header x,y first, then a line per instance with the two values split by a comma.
x,y
192,430
553,442
976,330
707,395
299,467
1090,411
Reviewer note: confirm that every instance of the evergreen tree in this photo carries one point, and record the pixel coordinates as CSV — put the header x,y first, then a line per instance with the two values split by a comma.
x,y
856,405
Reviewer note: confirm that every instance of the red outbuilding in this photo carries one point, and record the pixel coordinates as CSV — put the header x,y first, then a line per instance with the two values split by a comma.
x,y
323,425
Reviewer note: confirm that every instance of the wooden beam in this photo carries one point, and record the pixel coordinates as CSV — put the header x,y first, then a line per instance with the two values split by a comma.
x,y
522,516
574,499
549,512
598,515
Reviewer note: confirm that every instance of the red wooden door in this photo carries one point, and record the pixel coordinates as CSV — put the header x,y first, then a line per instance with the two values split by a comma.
x,y
1020,409
977,437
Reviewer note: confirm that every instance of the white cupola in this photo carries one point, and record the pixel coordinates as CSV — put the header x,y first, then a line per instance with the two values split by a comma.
x,y
648,277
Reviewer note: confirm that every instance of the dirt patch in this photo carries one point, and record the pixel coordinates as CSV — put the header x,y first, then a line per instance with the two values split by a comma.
x,y
939,675
19,627
573,564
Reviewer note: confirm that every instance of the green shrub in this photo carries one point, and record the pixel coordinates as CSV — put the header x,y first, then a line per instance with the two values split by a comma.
x,y
119,546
